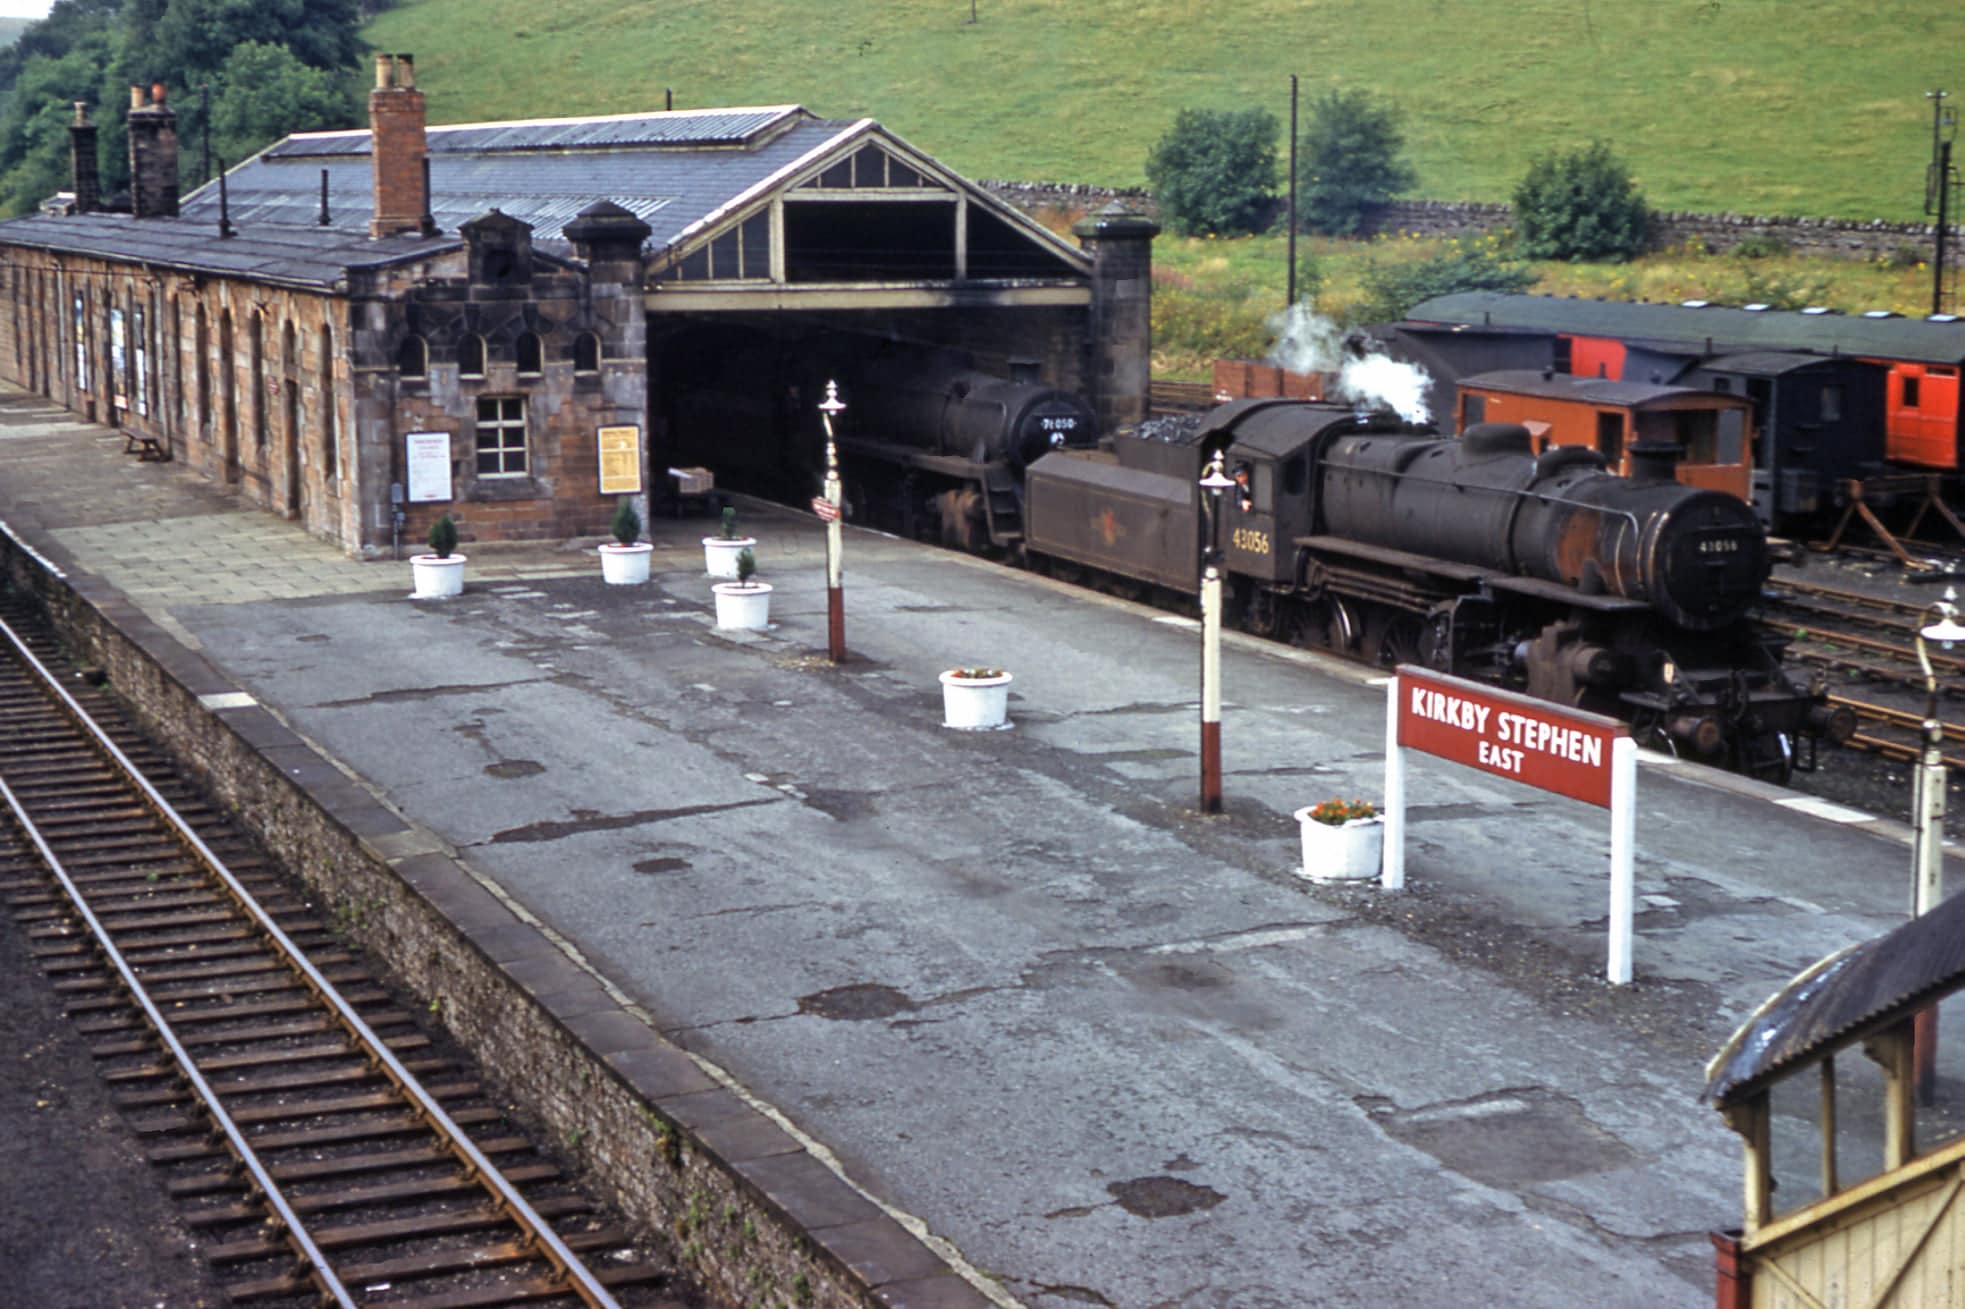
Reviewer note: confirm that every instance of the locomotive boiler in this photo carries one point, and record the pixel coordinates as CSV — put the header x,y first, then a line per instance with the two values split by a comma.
x,y
1376,538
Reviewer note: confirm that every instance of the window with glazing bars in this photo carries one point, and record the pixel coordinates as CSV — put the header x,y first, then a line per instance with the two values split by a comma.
x,y
501,436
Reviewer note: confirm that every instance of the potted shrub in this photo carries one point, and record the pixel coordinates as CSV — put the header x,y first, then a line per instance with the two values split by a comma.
x,y
975,699
440,573
743,605
624,561
720,551
1343,840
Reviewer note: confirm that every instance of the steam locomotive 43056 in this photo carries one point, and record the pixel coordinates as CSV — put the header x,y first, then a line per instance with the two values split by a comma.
x,y
1377,538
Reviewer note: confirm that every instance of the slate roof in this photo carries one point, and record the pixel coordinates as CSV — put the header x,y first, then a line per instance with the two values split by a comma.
x,y
1729,329
303,256
1590,390
672,170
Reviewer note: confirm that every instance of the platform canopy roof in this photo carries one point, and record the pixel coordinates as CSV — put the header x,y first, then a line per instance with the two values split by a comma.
x,y
1842,999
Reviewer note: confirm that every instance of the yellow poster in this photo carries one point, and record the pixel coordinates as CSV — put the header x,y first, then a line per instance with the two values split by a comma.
x,y
620,460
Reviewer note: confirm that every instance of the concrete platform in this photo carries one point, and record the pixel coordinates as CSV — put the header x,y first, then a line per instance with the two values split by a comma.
x,y
1009,988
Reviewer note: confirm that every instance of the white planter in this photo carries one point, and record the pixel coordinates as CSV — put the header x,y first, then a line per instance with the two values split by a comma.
x,y
975,704
1347,852
624,565
743,606
437,578
720,554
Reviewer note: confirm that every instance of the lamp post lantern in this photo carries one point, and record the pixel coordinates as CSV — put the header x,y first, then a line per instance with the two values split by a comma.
x,y
832,499
1928,821
1213,484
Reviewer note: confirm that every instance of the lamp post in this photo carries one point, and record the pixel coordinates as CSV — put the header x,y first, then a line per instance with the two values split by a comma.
x,y
1213,483
1928,822
827,506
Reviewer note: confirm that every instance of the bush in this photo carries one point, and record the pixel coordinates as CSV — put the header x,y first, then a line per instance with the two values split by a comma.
x,y
1760,245
627,523
443,537
1580,206
1393,289
1214,172
1348,163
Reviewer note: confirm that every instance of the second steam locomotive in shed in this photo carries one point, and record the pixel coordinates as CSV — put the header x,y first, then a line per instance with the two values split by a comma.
x,y
1377,538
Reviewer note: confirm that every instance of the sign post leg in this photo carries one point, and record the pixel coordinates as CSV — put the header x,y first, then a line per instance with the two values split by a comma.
x,y
1393,877
1623,847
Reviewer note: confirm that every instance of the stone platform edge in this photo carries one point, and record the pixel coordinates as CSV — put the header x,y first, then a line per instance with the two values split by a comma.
x,y
747,1209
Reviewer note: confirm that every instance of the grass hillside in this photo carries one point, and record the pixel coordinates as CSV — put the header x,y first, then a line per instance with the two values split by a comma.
x,y
1763,106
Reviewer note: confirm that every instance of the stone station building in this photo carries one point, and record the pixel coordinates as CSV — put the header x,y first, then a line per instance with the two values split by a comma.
x,y
507,291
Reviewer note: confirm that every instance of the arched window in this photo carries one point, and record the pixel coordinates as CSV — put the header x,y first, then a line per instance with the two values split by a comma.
x,y
470,356
527,352
228,393
586,353
330,451
201,362
290,369
412,357
258,340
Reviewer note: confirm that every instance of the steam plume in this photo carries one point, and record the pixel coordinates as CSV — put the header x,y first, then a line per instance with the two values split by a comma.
x,y
1307,342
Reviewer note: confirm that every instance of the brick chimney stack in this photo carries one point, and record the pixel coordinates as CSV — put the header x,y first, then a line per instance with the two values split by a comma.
x,y
153,154
398,150
82,154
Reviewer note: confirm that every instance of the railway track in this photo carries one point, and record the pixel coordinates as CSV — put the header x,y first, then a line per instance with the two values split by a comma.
x,y
1870,640
318,1142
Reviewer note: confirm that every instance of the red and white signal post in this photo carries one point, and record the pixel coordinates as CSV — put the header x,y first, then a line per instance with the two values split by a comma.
x,y
827,506
1584,756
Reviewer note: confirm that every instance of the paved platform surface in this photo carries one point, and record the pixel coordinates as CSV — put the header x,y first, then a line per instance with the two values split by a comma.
x,y
1010,984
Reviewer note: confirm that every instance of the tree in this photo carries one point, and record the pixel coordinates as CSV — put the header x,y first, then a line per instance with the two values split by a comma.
x,y
1214,172
1348,162
263,92
1582,205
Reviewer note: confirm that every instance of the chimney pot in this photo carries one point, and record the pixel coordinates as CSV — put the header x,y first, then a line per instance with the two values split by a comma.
x,y
406,72
385,71
157,94
136,97
81,113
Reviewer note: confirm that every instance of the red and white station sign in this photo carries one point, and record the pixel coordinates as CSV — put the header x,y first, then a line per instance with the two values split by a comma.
x,y
1544,745
1584,756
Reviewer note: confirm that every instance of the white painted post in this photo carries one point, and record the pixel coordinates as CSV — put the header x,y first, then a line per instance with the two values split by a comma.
x,y
1393,877
1623,856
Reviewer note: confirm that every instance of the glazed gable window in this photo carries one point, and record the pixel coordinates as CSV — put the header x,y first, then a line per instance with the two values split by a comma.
x,y
501,436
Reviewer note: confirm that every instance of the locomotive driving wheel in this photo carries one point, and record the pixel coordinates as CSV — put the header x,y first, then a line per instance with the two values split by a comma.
x,y
1263,614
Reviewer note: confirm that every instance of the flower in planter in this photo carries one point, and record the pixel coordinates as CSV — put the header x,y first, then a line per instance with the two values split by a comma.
x,y
975,672
1336,813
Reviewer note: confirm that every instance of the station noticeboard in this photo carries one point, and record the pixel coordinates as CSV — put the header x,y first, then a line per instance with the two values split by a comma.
x,y
620,460
1551,747
428,463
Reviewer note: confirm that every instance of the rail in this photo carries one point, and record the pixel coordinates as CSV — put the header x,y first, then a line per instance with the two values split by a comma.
x,y
539,1235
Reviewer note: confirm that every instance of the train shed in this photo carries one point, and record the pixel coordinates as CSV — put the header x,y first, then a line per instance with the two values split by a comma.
x,y
507,292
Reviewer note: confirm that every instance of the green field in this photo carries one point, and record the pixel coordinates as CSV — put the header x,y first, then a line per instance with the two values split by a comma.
x,y
1755,106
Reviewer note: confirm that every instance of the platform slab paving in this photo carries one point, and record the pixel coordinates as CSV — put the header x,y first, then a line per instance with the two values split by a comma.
x,y
1111,1050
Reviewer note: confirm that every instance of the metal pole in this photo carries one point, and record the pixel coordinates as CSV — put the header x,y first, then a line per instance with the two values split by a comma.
x,y
1928,839
1290,295
1937,192
835,540
1212,485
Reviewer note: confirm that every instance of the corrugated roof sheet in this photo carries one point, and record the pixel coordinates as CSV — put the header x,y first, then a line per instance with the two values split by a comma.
x,y
669,128
309,256
561,169
1855,991
1561,386
1729,329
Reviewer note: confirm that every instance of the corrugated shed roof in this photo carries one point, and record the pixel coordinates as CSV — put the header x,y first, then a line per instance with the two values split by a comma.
x,y
309,256
560,169
670,128
1729,329
1846,995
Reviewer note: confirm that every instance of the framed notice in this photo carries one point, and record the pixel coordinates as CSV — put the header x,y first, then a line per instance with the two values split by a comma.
x,y
620,460
429,466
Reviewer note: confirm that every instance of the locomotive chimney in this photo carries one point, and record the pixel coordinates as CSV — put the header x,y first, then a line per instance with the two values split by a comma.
x,y
82,150
1654,461
398,149
153,153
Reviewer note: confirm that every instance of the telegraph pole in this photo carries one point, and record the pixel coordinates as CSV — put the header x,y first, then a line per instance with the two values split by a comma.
x,y
1938,185
1291,294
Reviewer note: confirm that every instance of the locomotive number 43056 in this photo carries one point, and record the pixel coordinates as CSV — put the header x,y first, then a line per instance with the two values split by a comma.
x,y
1247,538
